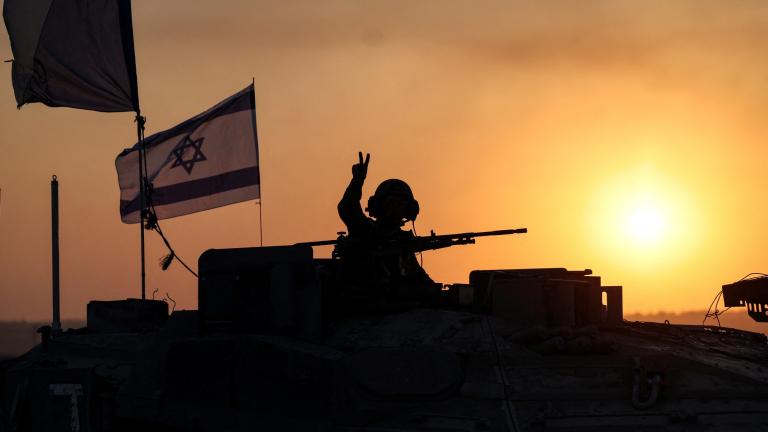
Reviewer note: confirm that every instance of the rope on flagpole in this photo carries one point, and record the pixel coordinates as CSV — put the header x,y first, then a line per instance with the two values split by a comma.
x,y
150,220
153,224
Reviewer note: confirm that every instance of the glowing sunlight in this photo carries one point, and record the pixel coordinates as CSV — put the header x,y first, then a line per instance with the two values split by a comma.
x,y
646,224
641,216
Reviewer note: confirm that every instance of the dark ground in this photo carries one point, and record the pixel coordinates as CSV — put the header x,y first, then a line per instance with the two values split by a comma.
x,y
16,337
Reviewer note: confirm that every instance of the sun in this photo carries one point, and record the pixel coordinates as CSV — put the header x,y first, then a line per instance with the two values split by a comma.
x,y
645,223
642,218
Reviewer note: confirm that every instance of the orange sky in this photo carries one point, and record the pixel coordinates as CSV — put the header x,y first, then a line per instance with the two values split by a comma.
x,y
563,117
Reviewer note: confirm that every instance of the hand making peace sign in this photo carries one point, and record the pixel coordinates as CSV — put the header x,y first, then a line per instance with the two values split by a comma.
x,y
360,169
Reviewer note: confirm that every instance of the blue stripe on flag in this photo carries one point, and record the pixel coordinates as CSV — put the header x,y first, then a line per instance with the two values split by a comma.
x,y
196,189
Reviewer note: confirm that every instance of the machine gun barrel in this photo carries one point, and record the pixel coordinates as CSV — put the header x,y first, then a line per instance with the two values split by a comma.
x,y
478,234
318,243
432,241
417,244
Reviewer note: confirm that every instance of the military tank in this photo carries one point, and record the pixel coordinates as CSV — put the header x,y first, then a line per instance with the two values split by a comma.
x,y
511,350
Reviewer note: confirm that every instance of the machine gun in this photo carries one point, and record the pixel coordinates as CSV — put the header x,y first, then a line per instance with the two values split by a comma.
x,y
415,244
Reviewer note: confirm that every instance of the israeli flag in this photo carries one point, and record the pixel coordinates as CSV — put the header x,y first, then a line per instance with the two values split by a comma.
x,y
209,161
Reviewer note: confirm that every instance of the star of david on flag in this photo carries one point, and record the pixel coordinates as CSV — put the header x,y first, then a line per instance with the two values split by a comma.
x,y
208,161
181,149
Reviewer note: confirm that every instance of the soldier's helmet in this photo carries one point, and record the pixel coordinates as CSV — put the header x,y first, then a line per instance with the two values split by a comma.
x,y
393,200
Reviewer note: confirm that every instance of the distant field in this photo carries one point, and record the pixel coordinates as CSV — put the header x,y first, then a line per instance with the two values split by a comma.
x,y
17,337
734,318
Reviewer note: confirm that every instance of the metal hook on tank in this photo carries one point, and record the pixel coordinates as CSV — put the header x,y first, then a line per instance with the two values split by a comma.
x,y
643,385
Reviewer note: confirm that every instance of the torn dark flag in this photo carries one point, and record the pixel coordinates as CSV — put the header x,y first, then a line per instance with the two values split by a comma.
x,y
76,54
209,161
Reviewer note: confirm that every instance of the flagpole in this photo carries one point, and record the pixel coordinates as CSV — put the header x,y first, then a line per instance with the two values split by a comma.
x,y
142,174
56,321
261,225
258,159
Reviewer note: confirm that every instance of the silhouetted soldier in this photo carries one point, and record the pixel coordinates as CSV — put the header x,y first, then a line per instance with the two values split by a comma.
x,y
391,279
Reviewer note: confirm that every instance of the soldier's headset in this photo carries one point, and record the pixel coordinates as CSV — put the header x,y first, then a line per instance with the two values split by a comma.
x,y
393,187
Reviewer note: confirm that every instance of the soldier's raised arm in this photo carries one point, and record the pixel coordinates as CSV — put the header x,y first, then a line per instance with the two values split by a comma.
x,y
349,207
